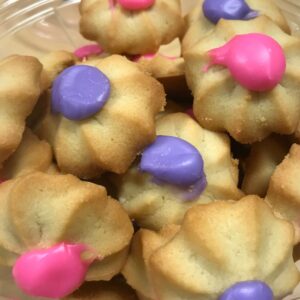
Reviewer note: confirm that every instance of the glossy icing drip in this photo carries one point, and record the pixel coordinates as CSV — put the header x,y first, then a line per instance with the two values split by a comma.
x,y
54,272
136,4
248,290
150,56
88,50
79,92
173,161
214,10
256,61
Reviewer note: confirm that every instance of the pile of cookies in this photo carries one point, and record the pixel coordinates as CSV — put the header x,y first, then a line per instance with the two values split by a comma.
x,y
129,173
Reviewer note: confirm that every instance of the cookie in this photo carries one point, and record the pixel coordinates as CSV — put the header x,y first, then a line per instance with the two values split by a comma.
x,y
283,192
202,19
66,221
184,151
222,250
31,155
127,29
20,87
233,91
98,118
261,163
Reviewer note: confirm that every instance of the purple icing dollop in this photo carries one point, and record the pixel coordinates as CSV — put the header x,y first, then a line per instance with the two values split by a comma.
x,y
193,191
79,92
248,290
186,193
173,160
214,10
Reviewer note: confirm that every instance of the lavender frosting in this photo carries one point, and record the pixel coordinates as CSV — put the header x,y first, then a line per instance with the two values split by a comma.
x,y
214,10
174,161
79,92
193,191
248,290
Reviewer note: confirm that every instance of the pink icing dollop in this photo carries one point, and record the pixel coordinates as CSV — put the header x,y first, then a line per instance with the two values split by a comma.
x,y
147,56
190,112
150,56
54,272
256,61
88,50
136,4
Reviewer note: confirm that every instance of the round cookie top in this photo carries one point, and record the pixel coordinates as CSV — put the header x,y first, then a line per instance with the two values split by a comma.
x,y
196,169
221,250
283,192
203,18
32,155
68,230
261,163
98,128
167,66
20,88
242,93
160,65
130,26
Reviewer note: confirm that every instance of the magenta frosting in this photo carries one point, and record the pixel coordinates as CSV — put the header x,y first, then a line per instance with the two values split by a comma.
x,y
88,50
150,56
54,272
190,112
172,160
256,61
136,4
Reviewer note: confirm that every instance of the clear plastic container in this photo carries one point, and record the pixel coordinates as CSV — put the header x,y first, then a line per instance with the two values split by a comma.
x,y
36,27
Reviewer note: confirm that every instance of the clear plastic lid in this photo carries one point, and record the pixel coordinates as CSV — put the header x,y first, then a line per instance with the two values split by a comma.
x,y
36,27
